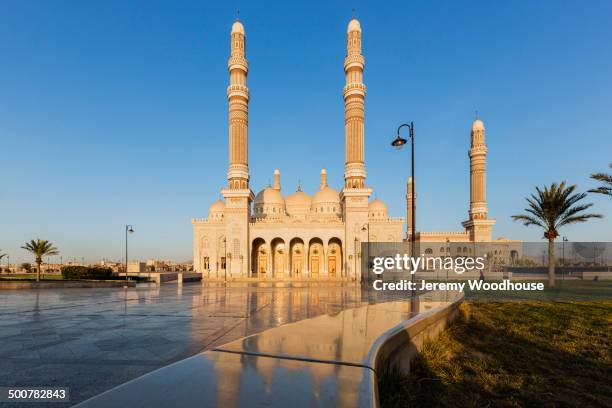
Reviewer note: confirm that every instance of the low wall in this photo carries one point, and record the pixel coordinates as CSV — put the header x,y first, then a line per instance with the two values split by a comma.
x,y
395,350
4,284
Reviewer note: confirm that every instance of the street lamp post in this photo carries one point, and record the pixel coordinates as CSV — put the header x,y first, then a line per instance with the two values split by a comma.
x,y
398,143
356,242
225,258
563,260
365,227
128,229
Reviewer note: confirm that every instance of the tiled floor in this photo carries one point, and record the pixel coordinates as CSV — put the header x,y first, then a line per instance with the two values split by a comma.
x,y
91,340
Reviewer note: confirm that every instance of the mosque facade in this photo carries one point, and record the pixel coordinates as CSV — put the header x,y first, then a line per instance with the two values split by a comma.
x,y
311,236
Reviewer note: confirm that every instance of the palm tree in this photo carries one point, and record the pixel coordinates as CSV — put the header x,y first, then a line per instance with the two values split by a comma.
x,y
40,248
606,179
551,208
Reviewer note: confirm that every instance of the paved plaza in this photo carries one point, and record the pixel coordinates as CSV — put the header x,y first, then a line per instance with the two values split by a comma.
x,y
91,340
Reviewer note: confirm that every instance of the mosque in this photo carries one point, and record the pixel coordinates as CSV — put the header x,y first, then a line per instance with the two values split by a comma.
x,y
318,236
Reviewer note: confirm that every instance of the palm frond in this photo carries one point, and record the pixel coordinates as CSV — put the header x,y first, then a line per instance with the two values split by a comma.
x,y
554,206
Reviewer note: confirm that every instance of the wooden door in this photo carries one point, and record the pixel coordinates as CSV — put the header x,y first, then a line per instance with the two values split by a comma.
x,y
314,267
331,266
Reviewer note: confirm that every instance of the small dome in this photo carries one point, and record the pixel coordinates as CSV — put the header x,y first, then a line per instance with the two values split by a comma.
x,y
326,200
478,125
269,201
216,210
377,205
237,27
298,203
377,209
353,26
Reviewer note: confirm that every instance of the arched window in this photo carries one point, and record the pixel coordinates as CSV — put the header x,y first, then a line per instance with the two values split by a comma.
x,y
429,251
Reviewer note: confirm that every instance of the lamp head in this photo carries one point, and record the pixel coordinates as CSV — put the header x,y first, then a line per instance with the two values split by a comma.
x,y
130,229
399,142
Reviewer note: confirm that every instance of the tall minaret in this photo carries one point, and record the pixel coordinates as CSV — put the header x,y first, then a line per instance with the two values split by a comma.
x,y
354,95
354,195
237,195
478,225
238,95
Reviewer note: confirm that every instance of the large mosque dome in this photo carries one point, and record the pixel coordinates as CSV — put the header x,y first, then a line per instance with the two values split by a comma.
x,y
298,203
269,201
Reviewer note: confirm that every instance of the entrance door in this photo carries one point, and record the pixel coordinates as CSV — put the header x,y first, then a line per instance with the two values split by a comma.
x,y
331,266
279,268
314,267
297,266
261,265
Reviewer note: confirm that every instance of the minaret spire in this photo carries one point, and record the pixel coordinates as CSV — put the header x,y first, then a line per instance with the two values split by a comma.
x,y
238,96
354,95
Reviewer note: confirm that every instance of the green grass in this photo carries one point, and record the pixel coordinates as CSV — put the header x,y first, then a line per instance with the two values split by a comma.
x,y
513,354
565,290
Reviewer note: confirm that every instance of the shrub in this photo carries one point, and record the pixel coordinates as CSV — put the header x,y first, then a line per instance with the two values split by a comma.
x,y
86,272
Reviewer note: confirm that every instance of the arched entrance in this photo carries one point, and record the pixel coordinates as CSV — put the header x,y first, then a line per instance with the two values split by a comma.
x,y
334,258
316,257
259,258
278,257
297,258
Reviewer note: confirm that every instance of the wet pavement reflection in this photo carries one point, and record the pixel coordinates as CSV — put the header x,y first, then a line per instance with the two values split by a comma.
x,y
94,339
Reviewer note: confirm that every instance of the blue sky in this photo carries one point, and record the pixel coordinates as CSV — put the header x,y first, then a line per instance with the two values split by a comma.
x,y
115,112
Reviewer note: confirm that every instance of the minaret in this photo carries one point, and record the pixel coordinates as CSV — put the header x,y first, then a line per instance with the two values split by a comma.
x,y
323,182
354,95
237,195
277,184
408,207
354,195
478,225
238,95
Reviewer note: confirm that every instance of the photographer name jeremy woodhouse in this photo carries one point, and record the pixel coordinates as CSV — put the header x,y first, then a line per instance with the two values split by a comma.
x,y
474,284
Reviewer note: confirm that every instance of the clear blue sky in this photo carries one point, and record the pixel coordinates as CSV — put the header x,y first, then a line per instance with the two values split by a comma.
x,y
115,112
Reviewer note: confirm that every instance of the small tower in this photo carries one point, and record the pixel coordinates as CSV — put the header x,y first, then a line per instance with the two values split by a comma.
x,y
478,225
323,182
277,183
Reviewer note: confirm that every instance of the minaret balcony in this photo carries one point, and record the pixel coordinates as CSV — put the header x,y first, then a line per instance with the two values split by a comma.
x,y
354,88
238,62
354,60
237,90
